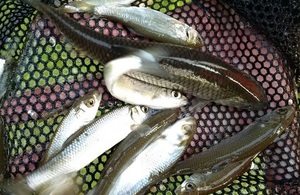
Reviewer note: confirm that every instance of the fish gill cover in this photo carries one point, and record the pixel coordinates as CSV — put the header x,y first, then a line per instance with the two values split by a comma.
x,y
50,73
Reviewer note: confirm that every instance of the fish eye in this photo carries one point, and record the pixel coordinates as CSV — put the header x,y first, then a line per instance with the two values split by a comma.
x,y
281,111
90,102
190,186
144,109
176,94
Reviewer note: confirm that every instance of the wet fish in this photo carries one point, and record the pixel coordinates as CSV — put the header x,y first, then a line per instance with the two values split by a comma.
x,y
106,48
135,142
152,24
81,113
251,140
209,182
146,164
207,81
138,92
143,21
89,5
103,132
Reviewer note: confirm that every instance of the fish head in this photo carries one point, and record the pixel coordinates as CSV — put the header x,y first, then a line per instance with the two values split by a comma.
x,y
141,113
281,117
168,98
188,128
188,187
87,106
182,131
193,38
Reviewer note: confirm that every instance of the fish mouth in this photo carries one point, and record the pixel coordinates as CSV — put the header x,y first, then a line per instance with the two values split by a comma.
x,y
193,38
189,126
289,112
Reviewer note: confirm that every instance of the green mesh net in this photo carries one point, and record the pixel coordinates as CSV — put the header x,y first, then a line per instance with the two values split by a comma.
x,y
261,38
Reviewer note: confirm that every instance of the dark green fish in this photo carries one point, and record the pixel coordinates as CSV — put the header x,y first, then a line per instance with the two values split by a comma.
x,y
251,140
204,66
208,82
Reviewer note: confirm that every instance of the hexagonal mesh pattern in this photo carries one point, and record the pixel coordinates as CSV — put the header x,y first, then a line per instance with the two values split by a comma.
x,y
52,74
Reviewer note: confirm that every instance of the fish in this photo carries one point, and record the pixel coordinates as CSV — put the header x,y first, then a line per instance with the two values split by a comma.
x,y
106,48
152,24
138,92
146,164
253,139
103,132
209,182
208,82
143,21
81,113
89,5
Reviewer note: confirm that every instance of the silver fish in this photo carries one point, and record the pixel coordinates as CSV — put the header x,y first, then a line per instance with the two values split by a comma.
x,y
209,182
81,113
103,132
251,140
150,163
152,24
143,21
130,147
88,5
138,92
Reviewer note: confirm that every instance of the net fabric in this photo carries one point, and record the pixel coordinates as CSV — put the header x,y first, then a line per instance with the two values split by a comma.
x,y
51,73
279,20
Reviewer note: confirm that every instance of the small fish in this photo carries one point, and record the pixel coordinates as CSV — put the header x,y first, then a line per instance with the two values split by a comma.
x,y
106,48
209,182
147,165
251,140
152,24
88,5
81,113
103,132
138,92
144,21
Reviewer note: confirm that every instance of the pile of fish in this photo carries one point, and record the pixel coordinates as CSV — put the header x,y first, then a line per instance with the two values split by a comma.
x,y
156,78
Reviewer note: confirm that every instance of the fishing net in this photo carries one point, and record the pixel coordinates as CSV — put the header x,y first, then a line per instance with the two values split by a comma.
x,y
260,38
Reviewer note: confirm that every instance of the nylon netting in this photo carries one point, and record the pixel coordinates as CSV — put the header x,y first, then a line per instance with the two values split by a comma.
x,y
51,74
